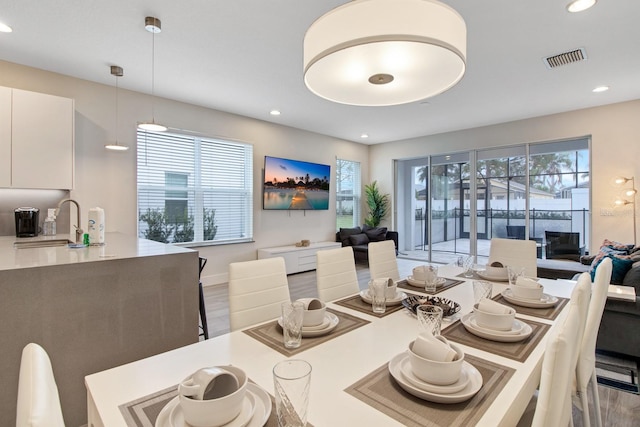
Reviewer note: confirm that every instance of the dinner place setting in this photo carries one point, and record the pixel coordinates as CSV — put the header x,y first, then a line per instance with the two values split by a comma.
x,y
367,302
432,377
304,323
426,279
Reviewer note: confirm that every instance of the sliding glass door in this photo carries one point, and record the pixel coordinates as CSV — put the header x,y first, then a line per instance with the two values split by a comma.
x,y
456,203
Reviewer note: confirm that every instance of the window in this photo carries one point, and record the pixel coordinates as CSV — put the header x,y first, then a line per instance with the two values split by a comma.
x,y
347,194
194,189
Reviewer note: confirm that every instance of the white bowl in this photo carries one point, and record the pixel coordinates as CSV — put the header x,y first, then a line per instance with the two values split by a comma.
x,y
498,272
313,312
526,292
497,322
438,373
216,412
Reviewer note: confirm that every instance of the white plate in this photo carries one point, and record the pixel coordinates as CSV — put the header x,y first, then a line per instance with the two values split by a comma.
x,y
474,385
171,415
420,284
366,297
309,333
516,328
545,302
405,368
494,335
483,274
263,405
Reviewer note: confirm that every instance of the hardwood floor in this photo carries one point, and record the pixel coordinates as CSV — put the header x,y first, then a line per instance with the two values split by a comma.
x,y
619,409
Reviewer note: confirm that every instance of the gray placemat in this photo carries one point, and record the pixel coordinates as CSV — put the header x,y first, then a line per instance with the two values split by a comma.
x,y
518,351
144,412
380,390
270,333
355,302
449,283
549,313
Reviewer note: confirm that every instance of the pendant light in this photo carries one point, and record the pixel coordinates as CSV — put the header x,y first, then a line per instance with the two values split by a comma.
x,y
117,72
385,52
154,26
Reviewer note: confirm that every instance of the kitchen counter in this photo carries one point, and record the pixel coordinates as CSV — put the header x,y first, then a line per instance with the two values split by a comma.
x,y
91,309
117,246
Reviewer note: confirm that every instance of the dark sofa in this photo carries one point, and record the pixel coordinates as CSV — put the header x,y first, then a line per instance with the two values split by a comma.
x,y
359,239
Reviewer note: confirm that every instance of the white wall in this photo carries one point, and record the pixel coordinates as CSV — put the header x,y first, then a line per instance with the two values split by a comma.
x,y
108,179
615,133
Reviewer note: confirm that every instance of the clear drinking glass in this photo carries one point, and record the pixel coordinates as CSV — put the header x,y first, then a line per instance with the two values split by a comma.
x,y
429,319
292,315
291,382
430,278
377,291
514,273
481,289
467,267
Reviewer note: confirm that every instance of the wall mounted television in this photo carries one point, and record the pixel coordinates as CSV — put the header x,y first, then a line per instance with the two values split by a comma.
x,y
295,185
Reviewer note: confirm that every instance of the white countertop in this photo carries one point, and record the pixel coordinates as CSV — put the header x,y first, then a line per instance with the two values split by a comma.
x,y
117,246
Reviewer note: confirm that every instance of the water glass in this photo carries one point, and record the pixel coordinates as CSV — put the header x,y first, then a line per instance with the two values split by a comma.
x,y
514,273
481,289
291,382
467,267
429,319
377,291
430,278
292,316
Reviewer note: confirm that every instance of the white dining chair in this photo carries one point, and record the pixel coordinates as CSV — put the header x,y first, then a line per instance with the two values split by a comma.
x,y
515,253
38,399
336,274
256,291
382,260
586,368
551,405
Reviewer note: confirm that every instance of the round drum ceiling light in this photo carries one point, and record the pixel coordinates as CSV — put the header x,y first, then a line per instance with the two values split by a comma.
x,y
385,52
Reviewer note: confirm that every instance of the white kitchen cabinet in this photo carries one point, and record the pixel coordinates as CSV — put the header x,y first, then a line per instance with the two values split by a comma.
x,y
297,259
5,137
42,141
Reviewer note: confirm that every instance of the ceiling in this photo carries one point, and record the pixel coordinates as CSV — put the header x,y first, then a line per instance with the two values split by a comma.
x,y
245,57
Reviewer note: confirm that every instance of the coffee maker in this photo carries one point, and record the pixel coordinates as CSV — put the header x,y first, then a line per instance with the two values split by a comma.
x,y
27,222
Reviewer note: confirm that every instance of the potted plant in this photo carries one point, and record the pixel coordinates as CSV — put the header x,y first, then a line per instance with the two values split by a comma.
x,y
378,205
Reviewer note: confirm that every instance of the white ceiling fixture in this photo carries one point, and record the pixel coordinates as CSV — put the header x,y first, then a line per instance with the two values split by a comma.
x,y
364,136
580,5
385,52
600,89
117,72
4,28
274,112
154,26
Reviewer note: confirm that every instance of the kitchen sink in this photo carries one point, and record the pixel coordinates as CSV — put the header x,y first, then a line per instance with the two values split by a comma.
x,y
41,243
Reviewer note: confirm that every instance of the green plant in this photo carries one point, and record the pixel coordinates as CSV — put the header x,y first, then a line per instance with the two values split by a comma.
x,y
210,227
157,227
378,205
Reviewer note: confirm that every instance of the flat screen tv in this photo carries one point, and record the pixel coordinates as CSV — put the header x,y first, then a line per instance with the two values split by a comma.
x,y
295,185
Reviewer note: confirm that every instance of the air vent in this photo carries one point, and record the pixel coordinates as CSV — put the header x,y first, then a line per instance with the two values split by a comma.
x,y
566,58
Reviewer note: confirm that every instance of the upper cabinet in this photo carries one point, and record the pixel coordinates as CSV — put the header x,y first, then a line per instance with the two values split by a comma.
x,y
5,137
41,140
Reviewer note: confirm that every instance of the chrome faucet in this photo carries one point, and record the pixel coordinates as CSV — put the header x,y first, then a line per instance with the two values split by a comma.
x,y
79,231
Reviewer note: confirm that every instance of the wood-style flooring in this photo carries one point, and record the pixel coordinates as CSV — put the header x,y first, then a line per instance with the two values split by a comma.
x,y
619,409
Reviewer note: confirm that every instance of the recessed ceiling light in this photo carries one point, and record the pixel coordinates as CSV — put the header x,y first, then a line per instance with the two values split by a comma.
x,y
4,28
580,5
364,136
274,112
601,89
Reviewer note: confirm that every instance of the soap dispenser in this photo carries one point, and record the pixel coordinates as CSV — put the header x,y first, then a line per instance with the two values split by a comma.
x,y
49,226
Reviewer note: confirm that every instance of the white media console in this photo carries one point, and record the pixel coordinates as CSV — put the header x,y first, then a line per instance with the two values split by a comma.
x,y
296,258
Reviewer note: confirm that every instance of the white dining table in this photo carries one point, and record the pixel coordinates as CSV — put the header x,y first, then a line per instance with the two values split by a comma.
x,y
336,363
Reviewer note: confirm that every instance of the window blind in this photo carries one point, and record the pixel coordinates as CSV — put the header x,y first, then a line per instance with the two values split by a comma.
x,y
194,189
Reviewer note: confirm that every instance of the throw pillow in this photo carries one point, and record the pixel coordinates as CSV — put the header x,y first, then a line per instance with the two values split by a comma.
x,y
346,232
359,239
632,278
621,265
377,234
